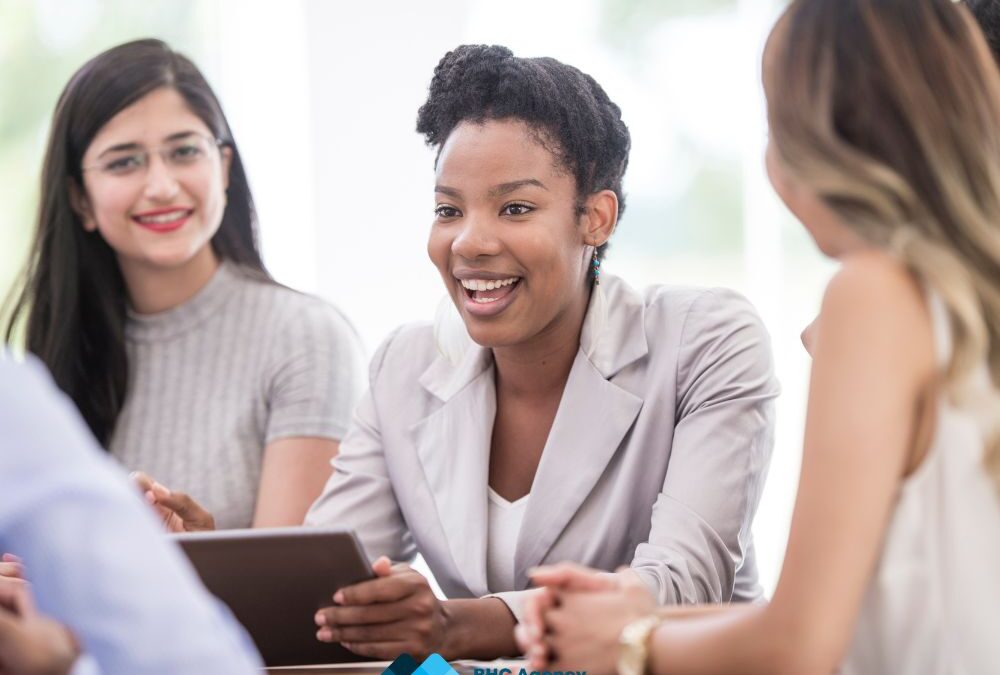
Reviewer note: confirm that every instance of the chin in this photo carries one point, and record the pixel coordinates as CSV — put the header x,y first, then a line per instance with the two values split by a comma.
x,y
491,336
828,249
170,258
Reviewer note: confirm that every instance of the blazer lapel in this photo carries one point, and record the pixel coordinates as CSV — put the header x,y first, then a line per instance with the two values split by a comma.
x,y
594,415
453,444
593,418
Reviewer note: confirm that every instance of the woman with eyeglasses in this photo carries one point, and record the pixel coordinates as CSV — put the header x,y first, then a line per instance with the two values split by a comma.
x,y
146,297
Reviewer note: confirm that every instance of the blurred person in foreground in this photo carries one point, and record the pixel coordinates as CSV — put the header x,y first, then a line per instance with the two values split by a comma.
x,y
106,591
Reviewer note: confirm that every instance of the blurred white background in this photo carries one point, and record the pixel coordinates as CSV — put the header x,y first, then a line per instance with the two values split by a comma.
x,y
322,96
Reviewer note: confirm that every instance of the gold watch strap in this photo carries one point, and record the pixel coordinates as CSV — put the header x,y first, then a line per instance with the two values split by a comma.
x,y
633,658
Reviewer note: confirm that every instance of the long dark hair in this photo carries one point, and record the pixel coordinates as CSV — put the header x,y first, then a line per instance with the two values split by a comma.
x,y
72,294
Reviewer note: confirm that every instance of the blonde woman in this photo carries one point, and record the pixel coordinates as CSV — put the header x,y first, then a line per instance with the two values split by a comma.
x,y
885,143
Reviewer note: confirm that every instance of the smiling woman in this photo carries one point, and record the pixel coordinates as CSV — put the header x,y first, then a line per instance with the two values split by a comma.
x,y
134,197
584,420
146,297
531,214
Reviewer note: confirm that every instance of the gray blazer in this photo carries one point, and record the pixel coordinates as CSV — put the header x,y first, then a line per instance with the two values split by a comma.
x,y
656,457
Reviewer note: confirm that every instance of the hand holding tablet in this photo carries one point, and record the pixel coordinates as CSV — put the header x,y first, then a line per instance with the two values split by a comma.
x,y
392,614
276,580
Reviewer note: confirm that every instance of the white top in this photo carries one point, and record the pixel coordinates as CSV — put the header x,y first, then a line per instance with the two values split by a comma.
x,y
933,604
501,540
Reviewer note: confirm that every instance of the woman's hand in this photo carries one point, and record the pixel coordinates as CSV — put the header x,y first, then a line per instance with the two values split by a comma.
x,y
551,579
574,577
11,567
577,623
178,511
382,618
29,643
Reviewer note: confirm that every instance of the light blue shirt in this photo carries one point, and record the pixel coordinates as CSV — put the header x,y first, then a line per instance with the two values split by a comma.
x,y
93,551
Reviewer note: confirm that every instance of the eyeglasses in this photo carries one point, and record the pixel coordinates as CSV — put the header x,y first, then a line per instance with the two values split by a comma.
x,y
185,152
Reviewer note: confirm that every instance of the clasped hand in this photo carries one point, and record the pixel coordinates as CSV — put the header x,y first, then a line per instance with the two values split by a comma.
x,y
574,623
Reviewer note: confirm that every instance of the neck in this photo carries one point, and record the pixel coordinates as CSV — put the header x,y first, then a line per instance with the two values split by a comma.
x,y
153,289
541,366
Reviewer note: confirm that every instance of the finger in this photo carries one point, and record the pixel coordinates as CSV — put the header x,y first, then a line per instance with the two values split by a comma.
x,y
142,480
15,597
570,576
538,657
181,504
629,579
532,646
385,632
178,511
165,514
522,638
573,577
384,589
382,567
11,626
536,604
151,500
385,651
7,582
11,570
356,615
555,621
10,557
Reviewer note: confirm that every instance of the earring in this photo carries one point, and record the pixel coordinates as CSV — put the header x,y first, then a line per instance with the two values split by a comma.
x,y
595,268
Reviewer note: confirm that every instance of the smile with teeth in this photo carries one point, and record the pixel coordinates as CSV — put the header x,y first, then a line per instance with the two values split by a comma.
x,y
484,291
161,218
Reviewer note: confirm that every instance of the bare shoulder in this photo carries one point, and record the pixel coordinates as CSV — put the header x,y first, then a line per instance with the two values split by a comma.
x,y
874,300
871,281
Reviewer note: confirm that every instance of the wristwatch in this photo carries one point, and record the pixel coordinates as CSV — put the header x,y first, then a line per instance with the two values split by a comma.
x,y
633,655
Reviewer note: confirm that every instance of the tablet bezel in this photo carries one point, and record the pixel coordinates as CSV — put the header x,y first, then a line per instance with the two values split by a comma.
x,y
274,580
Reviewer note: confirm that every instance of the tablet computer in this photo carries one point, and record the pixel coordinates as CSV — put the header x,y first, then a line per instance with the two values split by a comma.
x,y
274,580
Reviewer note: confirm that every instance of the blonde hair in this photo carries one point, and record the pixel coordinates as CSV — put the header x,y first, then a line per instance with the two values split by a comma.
x,y
890,111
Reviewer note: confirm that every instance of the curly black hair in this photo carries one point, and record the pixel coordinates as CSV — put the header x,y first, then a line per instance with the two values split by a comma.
x,y
987,13
570,113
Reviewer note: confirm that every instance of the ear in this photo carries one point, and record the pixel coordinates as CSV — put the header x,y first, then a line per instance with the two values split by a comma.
x,y
599,218
80,204
227,164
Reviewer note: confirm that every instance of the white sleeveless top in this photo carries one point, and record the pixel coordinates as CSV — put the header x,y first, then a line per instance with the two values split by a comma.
x,y
933,604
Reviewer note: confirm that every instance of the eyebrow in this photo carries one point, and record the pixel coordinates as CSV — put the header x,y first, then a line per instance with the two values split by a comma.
x,y
507,188
122,147
450,191
496,191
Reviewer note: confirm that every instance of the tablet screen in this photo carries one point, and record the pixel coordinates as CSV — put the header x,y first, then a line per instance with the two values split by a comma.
x,y
274,580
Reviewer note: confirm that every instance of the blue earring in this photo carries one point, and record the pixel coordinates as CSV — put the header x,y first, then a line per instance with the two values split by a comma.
x,y
595,268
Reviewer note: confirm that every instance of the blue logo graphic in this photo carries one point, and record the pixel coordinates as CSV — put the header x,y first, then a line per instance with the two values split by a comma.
x,y
524,671
407,665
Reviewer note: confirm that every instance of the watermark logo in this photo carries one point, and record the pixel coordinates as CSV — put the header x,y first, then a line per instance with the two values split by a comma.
x,y
524,671
407,665
436,665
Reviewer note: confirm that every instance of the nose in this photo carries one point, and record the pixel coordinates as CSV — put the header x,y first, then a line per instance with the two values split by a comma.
x,y
161,184
476,237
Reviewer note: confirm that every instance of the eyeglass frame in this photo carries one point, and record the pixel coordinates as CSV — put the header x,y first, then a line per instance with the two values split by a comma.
x,y
217,143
